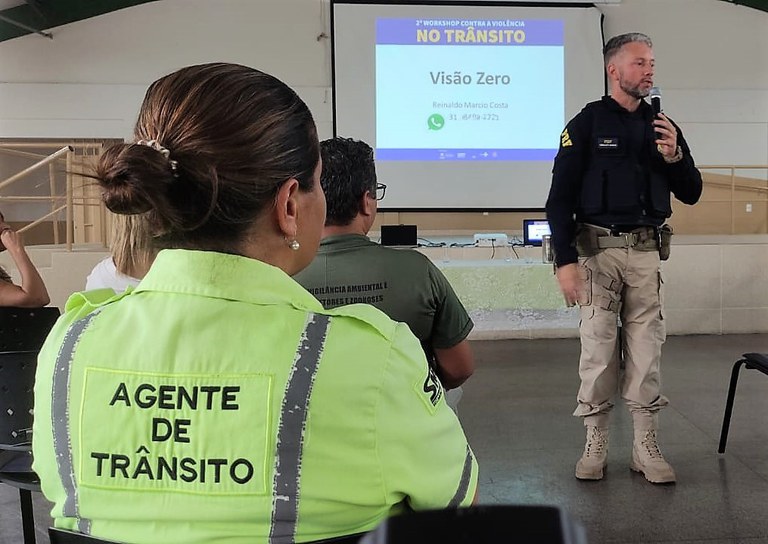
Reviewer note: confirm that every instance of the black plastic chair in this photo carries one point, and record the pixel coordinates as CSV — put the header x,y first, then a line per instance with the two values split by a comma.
x,y
62,536
17,378
22,333
481,525
756,361
475,525
23,329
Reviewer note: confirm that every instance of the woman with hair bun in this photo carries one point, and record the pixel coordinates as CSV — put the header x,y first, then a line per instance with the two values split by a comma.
x,y
218,401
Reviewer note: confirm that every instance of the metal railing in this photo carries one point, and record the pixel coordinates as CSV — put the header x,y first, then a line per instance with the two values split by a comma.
x,y
59,202
53,199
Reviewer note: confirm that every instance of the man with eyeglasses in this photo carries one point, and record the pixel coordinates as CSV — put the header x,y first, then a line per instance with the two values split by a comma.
x,y
349,268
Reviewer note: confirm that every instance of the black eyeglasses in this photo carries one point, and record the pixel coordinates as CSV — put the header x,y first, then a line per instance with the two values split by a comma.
x,y
381,190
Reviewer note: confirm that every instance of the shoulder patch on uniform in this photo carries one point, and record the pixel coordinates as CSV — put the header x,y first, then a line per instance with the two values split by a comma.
x,y
430,390
565,139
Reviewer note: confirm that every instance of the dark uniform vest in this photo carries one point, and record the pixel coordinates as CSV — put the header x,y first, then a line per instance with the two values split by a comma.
x,y
623,182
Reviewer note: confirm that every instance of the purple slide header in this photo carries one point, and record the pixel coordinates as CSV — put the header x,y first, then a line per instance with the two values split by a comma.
x,y
385,154
469,32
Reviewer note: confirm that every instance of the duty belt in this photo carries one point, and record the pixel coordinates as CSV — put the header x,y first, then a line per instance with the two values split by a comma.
x,y
641,238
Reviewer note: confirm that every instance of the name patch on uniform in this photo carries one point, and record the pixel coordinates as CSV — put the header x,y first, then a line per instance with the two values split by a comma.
x,y
175,432
607,143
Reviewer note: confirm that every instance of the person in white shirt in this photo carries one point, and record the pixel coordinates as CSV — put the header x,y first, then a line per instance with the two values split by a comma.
x,y
132,255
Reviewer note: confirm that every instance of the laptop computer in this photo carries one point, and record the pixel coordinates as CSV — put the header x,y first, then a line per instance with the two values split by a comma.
x,y
534,230
399,235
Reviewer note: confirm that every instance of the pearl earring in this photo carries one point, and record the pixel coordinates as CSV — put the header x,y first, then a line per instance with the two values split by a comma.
x,y
294,244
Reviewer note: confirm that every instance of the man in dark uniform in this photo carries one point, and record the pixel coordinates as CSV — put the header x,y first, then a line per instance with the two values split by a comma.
x,y
402,283
610,195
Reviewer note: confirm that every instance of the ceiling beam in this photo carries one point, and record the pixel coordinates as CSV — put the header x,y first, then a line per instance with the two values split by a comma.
x,y
37,6
25,27
24,18
756,4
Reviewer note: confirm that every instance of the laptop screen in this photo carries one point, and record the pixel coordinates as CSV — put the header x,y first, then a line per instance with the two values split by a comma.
x,y
398,235
534,230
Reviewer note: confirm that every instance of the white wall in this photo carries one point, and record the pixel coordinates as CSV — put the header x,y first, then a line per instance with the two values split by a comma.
x,y
89,80
712,67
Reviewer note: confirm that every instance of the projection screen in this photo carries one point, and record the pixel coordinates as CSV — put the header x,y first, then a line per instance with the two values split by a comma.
x,y
463,104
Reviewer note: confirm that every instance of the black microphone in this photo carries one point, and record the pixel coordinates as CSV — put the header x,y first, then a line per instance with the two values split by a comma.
x,y
655,96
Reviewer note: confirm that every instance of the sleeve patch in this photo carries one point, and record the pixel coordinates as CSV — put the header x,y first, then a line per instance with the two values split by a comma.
x,y
430,391
565,139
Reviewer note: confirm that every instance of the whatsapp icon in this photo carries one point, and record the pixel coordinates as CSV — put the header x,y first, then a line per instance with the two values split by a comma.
x,y
435,121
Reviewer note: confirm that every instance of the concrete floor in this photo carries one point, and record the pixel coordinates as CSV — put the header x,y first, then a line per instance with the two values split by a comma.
x,y
516,413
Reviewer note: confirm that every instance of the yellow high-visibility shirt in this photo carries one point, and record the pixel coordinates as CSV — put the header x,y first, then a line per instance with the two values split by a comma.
x,y
219,401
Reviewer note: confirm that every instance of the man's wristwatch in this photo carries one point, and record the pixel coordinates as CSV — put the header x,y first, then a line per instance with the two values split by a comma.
x,y
676,157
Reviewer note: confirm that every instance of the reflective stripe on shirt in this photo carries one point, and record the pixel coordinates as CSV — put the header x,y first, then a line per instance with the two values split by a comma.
x,y
291,429
62,439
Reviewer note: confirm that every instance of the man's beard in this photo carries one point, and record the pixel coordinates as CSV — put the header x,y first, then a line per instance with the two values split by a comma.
x,y
634,92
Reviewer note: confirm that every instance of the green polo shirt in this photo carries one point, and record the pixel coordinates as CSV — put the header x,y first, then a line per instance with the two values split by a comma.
x,y
218,401
402,283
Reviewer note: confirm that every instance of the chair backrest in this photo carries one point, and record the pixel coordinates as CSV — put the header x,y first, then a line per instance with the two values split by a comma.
x,y
475,525
62,536
17,379
480,525
23,329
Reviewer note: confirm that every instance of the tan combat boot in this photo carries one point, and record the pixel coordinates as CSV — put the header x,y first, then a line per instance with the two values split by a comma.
x,y
595,456
647,458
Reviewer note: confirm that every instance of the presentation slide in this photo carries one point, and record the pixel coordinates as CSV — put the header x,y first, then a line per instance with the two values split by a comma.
x,y
476,90
463,103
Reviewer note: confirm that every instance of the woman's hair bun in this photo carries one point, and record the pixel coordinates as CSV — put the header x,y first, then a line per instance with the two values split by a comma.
x,y
132,178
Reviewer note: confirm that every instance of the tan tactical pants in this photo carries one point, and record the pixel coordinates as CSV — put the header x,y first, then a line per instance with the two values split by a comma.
x,y
625,282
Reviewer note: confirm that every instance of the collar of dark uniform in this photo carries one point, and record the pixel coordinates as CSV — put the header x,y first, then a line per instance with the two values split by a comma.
x,y
644,109
339,242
